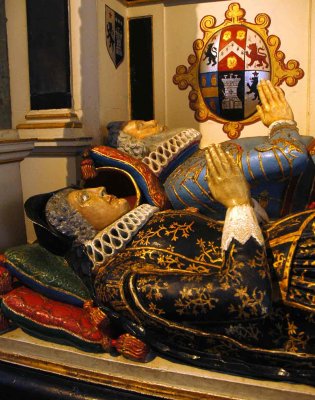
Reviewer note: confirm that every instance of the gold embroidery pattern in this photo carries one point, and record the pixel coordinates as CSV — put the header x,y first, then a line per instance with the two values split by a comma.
x,y
241,332
168,261
259,262
191,278
176,228
152,287
209,251
195,300
279,261
155,310
251,304
144,236
173,231
230,272
198,268
215,225
297,341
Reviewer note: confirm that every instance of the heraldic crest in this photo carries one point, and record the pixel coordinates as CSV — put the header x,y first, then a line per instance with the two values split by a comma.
x,y
227,65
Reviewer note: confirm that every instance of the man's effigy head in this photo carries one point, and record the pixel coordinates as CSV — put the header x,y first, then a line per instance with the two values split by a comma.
x,y
81,213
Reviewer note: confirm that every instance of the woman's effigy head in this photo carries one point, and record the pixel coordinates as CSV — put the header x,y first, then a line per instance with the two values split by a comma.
x,y
82,213
142,129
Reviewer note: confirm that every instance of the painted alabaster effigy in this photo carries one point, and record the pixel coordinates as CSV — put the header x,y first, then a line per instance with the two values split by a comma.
x,y
220,295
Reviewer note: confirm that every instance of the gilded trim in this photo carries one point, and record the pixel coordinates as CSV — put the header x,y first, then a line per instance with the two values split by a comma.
x,y
107,379
279,162
248,165
287,268
262,166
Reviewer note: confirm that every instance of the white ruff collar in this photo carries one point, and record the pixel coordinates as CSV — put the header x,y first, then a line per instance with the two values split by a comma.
x,y
116,236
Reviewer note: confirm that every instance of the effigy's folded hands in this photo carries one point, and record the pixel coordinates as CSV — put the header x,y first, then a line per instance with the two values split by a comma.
x,y
225,179
228,186
274,106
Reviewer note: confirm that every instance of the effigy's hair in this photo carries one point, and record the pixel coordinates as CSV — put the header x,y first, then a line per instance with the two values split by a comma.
x,y
65,219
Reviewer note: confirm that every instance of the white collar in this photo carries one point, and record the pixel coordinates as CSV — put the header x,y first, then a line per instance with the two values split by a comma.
x,y
116,236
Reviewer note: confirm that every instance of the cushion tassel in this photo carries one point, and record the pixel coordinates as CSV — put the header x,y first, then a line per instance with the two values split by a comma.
x,y
131,347
88,170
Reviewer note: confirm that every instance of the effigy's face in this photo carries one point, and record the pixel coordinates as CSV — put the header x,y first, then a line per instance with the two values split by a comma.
x,y
98,207
142,129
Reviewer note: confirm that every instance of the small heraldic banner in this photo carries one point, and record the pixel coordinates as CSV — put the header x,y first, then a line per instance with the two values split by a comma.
x,y
114,32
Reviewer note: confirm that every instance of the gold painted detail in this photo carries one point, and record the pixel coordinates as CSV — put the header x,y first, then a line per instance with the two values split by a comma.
x,y
230,271
242,332
172,232
152,287
297,340
209,252
195,301
250,302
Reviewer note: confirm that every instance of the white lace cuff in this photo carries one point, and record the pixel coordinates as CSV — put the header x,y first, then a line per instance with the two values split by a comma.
x,y
240,224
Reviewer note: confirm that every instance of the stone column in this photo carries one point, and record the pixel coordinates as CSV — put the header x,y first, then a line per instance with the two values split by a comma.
x,y
12,226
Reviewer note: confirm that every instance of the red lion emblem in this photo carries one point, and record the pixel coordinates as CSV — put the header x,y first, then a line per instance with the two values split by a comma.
x,y
256,54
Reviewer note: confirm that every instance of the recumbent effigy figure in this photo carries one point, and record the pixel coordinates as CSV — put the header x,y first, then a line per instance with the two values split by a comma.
x,y
223,296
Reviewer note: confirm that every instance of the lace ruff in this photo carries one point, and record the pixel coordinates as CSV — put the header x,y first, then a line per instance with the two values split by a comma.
x,y
168,150
116,236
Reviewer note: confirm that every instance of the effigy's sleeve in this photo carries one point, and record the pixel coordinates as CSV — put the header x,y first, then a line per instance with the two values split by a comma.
x,y
282,155
158,291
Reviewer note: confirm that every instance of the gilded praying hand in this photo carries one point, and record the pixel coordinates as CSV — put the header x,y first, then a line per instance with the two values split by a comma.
x,y
274,106
226,181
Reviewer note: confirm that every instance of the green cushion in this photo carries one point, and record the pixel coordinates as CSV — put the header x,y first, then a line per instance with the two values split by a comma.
x,y
46,273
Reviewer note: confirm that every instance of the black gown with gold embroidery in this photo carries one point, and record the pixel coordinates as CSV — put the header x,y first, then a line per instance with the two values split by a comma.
x,y
247,311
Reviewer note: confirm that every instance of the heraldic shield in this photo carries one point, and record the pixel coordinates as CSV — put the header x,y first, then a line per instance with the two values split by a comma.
x,y
227,66
229,73
114,33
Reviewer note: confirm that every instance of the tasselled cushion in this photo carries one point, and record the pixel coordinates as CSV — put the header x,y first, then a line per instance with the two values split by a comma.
x,y
53,320
46,273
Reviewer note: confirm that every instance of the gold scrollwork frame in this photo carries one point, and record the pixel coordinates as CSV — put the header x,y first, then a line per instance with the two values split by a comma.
x,y
288,72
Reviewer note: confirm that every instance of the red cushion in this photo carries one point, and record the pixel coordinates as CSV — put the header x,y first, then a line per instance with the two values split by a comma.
x,y
51,318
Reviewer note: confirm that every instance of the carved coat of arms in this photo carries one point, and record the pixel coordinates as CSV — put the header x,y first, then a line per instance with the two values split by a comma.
x,y
114,33
227,65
